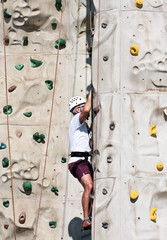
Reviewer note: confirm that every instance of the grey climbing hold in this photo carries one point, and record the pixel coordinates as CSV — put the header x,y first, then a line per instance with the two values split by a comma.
x,y
3,146
105,225
104,191
109,159
19,67
35,63
105,58
112,126
104,25
12,88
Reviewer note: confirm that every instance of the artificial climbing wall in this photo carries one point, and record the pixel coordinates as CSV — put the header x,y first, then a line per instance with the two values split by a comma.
x,y
34,153
129,75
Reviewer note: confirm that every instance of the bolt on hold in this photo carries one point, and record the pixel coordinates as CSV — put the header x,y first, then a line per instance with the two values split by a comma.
x,y
134,194
104,191
153,215
109,159
58,5
105,58
104,25
134,49
112,126
7,110
153,130
3,146
160,166
105,225
6,14
139,3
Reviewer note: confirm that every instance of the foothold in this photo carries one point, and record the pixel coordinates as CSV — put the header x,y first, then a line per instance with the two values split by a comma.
x,y
139,3
6,14
160,166
22,217
105,58
54,25
58,5
104,191
49,84
105,225
28,114
12,88
104,25
109,159
7,109
38,138
134,194
18,133
6,203
25,41
19,67
4,0
55,190
63,160
153,130
5,162
153,215
6,41
53,224
134,49
35,63
61,45
27,186
165,111
112,126
3,146
6,226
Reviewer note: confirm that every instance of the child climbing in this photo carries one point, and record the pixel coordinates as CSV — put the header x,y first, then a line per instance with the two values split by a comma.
x,y
80,160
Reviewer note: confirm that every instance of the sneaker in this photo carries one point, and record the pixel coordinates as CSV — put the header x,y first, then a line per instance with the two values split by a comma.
x,y
86,224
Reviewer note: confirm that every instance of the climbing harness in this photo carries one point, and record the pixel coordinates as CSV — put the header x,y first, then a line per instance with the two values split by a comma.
x,y
50,123
7,118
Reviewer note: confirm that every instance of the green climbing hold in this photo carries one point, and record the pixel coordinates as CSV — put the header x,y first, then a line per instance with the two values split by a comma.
x,y
19,67
54,189
4,0
28,114
35,63
63,160
58,5
7,109
27,186
49,84
6,14
5,162
53,224
54,25
6,203
38,138
25,41
61,45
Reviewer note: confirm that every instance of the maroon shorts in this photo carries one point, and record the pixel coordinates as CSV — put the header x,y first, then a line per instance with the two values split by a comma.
x,y
80,168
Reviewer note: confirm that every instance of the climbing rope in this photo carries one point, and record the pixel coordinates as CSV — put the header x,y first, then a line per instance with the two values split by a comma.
x,y
50,123
8,130
97,88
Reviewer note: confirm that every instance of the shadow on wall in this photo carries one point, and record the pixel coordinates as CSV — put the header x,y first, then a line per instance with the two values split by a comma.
x,y
74,230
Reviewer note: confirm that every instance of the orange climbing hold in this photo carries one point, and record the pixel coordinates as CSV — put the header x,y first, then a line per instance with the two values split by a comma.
x,y
153,130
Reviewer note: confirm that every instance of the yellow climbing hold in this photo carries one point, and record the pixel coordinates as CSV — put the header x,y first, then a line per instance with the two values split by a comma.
x,y
153,215
160,166
153,130
139,3
134,194
134,49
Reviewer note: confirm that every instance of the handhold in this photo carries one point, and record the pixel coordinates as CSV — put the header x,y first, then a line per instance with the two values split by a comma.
x,y
3,146
6,14
134,194
104,191
104,25
5,162
153,130
49,84
160,166
109,159
165,111
53,224
63,160
112,126
153,215
27,186
55,190
6,226
18,133
38,138
105,58
25,41
139,3
54,25
6,41
35,63
22,217
61,45
6,203
7,109
4,0
12,88
28,114
19,67
58,5
105,225
134,49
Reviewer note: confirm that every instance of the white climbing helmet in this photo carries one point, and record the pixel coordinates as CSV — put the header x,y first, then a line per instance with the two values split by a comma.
x,y
75,101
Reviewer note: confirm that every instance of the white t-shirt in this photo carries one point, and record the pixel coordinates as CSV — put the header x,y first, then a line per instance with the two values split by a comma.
x,y
79,137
